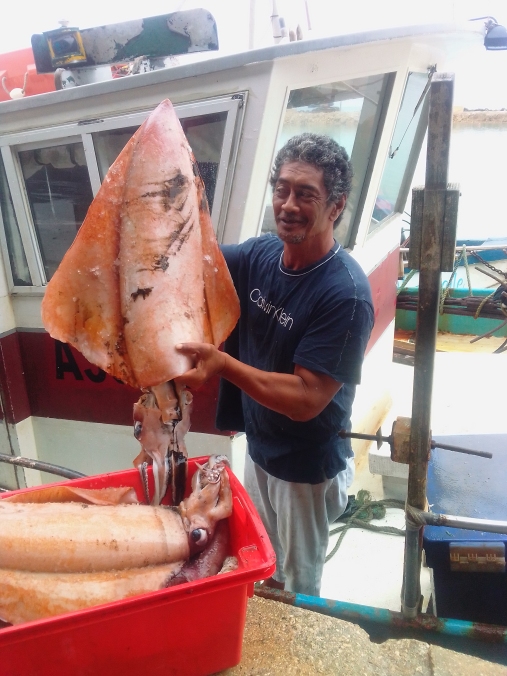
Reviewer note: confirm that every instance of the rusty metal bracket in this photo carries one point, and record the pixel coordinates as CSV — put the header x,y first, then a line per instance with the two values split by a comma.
x,y
432,201
399,441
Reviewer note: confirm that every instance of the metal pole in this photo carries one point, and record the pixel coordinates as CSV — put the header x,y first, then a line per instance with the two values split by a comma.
x,y
42,466
432,234
251,25
460,449
434,444
419,517
353,612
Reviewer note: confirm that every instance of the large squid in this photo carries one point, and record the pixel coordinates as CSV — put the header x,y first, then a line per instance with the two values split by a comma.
x,y
99,546
144,274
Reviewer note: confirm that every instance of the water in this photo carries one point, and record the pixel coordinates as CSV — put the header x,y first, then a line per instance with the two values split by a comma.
x,y
478,164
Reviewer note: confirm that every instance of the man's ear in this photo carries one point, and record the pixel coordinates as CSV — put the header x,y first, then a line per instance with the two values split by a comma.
x,y
338,207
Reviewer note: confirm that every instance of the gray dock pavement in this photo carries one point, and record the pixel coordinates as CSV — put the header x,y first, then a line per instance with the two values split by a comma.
x,y
282,640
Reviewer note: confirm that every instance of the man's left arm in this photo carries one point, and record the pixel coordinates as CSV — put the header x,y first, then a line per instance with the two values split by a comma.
x,y
336,340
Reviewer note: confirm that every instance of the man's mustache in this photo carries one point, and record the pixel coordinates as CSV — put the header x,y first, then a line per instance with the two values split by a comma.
x,y
289,220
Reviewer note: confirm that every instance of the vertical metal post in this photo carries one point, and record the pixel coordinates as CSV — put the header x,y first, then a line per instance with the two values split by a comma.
x,y
432,235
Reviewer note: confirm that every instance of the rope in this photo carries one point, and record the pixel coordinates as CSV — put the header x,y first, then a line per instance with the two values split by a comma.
x,y
415,517
467,268
482,304
406,281
363,510
447,290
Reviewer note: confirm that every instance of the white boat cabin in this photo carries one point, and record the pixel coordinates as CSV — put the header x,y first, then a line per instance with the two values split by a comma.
x,y
237,110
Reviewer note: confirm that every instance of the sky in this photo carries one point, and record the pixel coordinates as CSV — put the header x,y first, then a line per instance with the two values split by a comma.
x,y
481,83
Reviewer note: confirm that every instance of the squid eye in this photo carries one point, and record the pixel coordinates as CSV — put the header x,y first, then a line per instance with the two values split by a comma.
x,y
138,428
199,536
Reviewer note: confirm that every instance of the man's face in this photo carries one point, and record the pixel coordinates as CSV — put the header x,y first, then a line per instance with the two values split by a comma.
x,y
300,203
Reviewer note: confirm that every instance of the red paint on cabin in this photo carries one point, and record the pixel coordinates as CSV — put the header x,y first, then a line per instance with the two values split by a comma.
x,y
60,383
13,385
383,290
14,66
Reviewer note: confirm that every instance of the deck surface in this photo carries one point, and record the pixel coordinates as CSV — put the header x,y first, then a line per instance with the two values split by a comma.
x,y
449,342
281,640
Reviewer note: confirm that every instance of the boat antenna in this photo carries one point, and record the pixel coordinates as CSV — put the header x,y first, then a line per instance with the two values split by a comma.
x,y
277,24
308,20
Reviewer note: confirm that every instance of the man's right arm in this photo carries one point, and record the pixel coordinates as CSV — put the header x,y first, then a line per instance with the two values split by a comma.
x,y
300,396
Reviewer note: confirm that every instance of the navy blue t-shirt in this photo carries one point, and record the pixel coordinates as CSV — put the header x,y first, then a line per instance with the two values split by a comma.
x,y
319,317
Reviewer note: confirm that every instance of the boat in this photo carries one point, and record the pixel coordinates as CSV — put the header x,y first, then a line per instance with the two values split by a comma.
x,y
367,90
57,146
472,302
472,286
491,249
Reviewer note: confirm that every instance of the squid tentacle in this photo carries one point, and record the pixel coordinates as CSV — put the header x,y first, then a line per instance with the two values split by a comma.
x,y
161,420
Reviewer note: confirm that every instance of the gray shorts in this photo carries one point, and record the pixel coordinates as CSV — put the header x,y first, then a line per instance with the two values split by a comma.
x,y
297,518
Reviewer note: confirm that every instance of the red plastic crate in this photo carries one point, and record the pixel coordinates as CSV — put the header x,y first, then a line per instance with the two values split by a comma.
x,y
190,630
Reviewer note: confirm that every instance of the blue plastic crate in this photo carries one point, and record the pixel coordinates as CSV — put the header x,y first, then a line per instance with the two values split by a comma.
x,y
464,485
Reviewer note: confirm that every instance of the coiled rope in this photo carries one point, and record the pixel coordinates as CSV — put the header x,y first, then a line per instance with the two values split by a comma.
x,y
363,510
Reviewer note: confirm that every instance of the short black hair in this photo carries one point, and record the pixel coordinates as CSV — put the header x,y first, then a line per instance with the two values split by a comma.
x,y
322,152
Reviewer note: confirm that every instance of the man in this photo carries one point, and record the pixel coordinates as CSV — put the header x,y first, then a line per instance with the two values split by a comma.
x,y
296,355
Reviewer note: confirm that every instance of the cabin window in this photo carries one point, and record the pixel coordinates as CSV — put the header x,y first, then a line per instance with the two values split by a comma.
x,y
59,193
17,258
349,112
53,174
109,144
205,134
403,152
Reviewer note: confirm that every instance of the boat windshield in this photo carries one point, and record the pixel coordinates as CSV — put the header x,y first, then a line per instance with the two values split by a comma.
x,y
349,112
403,152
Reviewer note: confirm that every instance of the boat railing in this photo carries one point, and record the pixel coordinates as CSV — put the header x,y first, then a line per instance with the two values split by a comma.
x,y
459,249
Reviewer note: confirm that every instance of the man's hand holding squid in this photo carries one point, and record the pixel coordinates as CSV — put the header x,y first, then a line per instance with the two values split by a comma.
x,y
207,359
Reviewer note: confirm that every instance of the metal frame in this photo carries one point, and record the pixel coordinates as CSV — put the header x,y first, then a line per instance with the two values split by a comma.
x,y
384,103
5,253
413,158
411,162
91,162
432,229
3,245
25,223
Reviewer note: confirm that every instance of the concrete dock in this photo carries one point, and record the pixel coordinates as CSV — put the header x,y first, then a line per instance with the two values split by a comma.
x,y
281,640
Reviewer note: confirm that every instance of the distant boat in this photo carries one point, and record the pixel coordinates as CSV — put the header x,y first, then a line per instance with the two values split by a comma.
x,y
491,249
472,303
